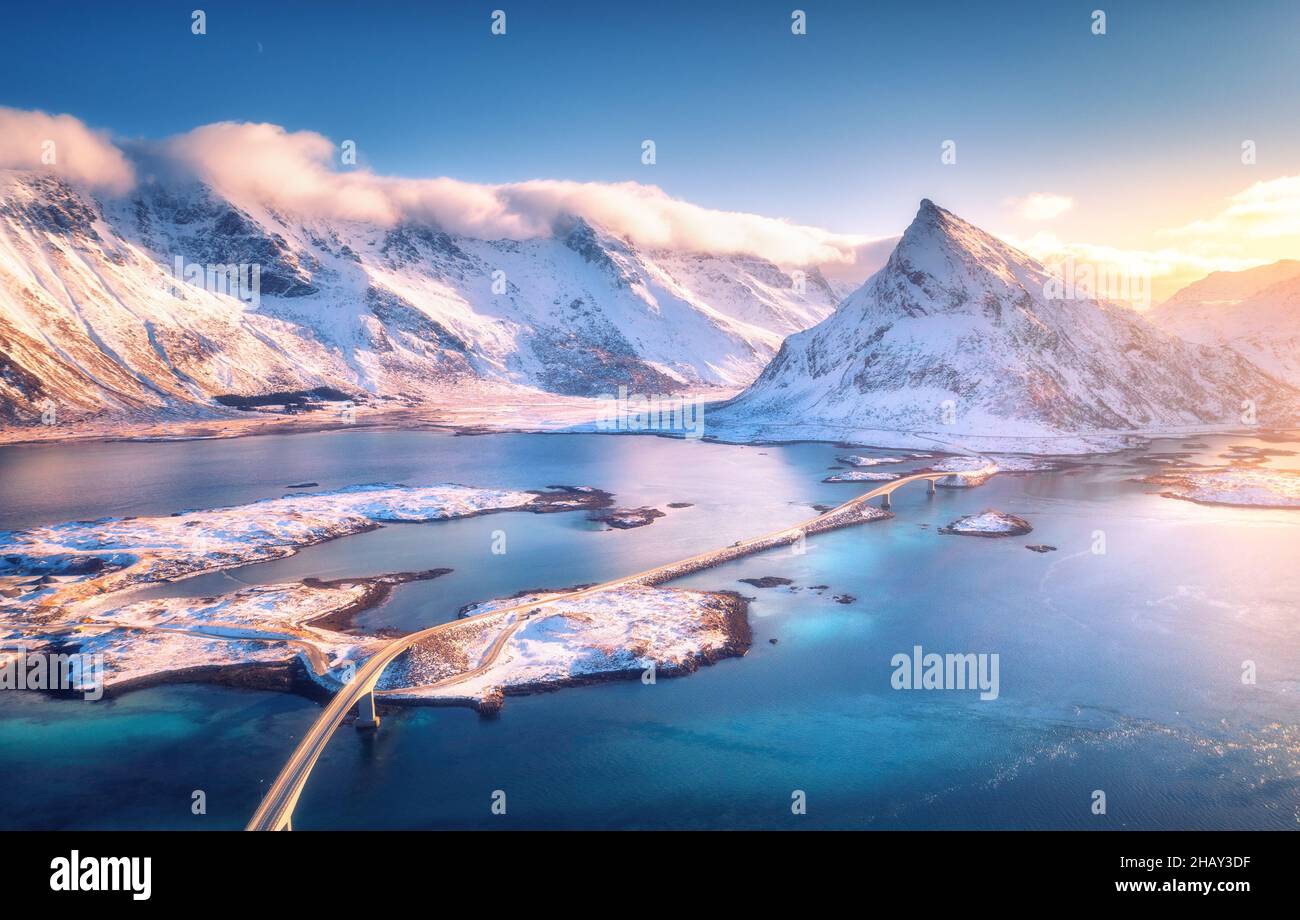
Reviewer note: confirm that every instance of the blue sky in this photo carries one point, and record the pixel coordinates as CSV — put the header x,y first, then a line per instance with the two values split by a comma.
x,y
839,128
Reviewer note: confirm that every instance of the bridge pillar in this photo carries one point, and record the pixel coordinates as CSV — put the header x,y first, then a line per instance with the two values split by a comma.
x,y
288,823
887,504
366,715
930,489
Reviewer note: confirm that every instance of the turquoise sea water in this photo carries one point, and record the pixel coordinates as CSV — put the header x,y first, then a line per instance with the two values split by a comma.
x,y
1119,672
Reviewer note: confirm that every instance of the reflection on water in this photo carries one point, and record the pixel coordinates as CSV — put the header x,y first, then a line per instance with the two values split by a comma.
x,y
1120,670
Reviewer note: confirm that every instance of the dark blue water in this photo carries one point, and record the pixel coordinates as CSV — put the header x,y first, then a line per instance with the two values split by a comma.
x,y
1119,671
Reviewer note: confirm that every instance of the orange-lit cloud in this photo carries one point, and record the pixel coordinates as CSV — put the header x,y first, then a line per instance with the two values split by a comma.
x,y
1256,226
64,146
1266,210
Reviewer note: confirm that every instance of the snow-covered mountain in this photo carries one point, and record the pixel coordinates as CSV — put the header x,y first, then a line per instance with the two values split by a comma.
x,y
1255,312
93,320
961,335
1226,288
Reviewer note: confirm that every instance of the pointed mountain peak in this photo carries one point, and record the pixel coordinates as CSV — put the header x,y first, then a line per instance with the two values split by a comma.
x,y
955,254
931,219
572,225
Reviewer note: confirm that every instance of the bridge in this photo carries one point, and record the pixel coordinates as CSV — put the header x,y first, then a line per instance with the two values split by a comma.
x,y
276,810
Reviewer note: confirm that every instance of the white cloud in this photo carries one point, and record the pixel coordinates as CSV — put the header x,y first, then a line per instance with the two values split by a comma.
x,y
294,171
63,145
1041,205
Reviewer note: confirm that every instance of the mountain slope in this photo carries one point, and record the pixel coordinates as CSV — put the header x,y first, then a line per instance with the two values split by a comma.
x,y
90,323
1263,323
93,322
956,336
1225,288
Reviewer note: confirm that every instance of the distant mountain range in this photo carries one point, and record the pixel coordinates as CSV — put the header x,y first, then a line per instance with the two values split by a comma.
x,y
959,336
1256,312
94,320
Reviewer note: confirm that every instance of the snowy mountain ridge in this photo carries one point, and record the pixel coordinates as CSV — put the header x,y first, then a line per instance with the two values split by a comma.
x,y
1255,313
93,321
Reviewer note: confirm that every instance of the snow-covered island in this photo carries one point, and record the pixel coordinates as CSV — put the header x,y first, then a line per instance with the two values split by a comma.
x,y
84,587
275,637
988,523
1249,487
46,568
859,460
968,472
75,587
1011,463
861,476
614,634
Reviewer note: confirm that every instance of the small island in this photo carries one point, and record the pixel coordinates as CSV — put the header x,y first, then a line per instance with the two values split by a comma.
x,y
861,476
859,460
988,523
625,633
1241,486
625,518
767,581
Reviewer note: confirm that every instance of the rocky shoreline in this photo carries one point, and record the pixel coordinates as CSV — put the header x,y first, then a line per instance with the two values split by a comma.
x,y
378,589
289,676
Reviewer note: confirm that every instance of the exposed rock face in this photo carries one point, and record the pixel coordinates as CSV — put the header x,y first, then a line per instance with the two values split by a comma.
x,y
491,703
960,334
569,498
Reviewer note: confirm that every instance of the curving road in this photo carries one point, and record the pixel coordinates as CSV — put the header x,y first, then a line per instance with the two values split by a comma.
x,y
276,810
